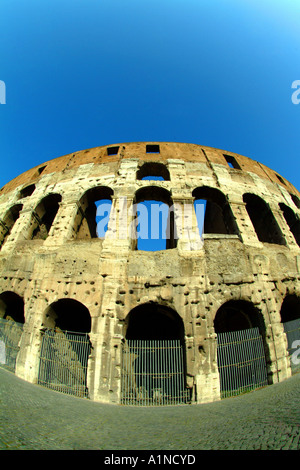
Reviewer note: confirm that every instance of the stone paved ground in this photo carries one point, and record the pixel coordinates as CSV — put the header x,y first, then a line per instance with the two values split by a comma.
x,y
32,417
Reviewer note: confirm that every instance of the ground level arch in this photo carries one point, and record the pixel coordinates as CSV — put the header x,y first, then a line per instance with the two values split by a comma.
x,y
242,351
12,320
65,347
153,357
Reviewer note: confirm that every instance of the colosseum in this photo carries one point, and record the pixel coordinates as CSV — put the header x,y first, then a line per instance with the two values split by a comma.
x,y
150,273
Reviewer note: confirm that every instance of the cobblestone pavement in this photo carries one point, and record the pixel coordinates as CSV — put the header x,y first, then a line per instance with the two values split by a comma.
x,y
35,418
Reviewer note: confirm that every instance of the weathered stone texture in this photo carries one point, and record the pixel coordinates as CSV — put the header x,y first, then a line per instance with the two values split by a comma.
x,y
110,277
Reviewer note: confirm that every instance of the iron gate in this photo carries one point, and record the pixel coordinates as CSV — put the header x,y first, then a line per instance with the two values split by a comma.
x,y
153,373
292,331
10,335
241,361
63,362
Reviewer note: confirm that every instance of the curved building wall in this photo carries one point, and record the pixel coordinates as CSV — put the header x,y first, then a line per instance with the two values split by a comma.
x,y
50,253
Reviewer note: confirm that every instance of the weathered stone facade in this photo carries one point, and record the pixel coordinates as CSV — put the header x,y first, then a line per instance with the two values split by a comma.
x,y
50,253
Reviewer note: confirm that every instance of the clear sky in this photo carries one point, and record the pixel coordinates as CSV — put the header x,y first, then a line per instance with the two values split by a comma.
x,y
85,73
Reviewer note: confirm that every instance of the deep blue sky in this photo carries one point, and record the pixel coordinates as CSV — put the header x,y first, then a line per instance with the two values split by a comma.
x,y
85,73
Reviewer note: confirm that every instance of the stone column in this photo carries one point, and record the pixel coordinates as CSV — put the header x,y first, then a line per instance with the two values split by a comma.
x,y
186,225
120,235
20,230
63,227
245,226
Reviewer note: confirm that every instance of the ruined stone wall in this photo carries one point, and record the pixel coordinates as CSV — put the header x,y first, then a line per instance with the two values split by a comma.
x,y
110,277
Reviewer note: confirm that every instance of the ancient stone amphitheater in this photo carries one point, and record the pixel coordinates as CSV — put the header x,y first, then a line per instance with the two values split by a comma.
x,y
207,313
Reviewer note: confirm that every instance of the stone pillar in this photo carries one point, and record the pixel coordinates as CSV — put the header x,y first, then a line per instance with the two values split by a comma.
x,y
246,229
63,227
186,224
27,366
120,235
207,378
20,230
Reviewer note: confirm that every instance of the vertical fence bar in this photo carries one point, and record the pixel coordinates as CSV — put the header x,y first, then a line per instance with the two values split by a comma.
x,y
164,370
220,361
168,374
145,375
171,368
10,335
232,363
124,373
63,362
183,387
241,361
175,372
176,353
255,363
152,373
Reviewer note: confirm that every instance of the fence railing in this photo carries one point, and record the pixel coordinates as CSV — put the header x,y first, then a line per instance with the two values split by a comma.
x,y
63,362
153,373
292,331
10,335
241,362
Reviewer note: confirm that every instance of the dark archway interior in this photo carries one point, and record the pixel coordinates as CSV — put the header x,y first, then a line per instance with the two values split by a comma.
x,y
12,307
46,211
290,309
151,321
218,218
8,222
69,315
157,170
238,315
88,220
263,220
292,221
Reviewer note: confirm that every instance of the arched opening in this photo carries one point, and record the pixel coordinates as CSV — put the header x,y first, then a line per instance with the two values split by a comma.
x,y
154,224
236,315
65,347
292,221
69,315
290,308
295,200
93,214
12,307
263,221
11,328
6,225
241,348
213,212
27,191
152,321
44,216
153,170
290,317
153,366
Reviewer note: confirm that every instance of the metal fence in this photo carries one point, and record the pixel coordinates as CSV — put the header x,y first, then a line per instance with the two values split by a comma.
x,y
63,362
153,373
241,361
10,335
292,331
